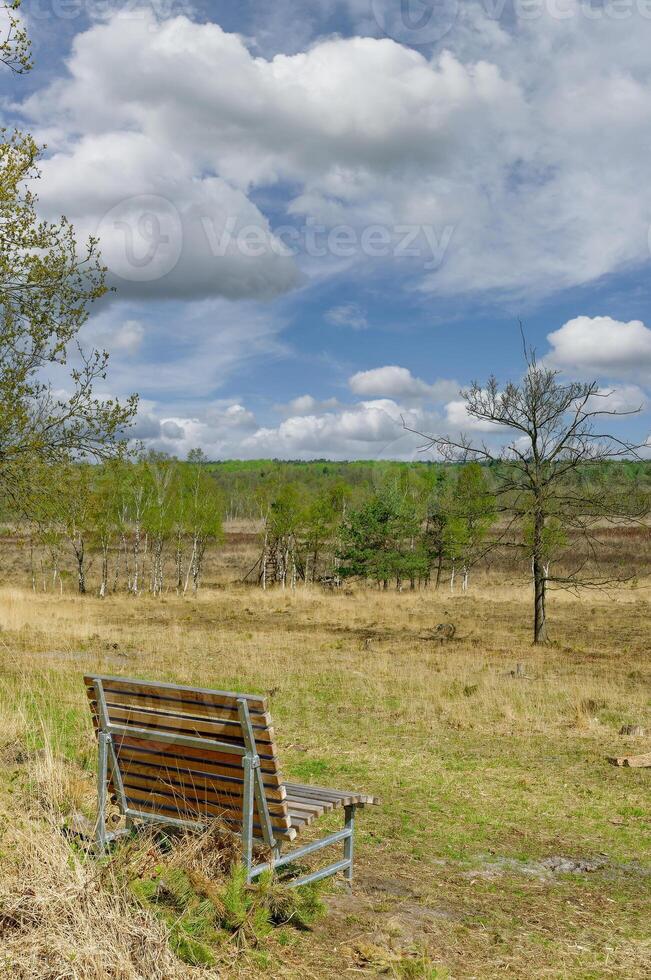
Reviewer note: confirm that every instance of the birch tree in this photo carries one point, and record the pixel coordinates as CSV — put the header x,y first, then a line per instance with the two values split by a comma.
x,y
202,509
158,518
471,514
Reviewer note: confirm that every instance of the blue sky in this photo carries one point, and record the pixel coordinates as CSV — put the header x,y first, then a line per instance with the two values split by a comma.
x,y
320,217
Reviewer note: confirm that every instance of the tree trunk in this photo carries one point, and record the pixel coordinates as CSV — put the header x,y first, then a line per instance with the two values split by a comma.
x,y
81,568
116,567
190,571
179,563
135,584
197,564
539,582
157,566
105,570
439,569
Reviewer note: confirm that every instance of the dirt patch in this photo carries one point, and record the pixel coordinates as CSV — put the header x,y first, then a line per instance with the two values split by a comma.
x,y
547,868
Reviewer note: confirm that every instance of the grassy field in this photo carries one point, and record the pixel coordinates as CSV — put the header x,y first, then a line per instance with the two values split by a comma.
x,y
504,843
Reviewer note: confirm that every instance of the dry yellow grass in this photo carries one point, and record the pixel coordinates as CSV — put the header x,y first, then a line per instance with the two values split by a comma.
x,y
484,775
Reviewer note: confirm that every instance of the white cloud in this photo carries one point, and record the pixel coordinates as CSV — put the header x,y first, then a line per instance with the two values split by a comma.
x,y
603,346
109,331
172,430
488,139
306,405
365,430
458,417
129,336
356,431
347,315
165,229
622,398
219,430
399,382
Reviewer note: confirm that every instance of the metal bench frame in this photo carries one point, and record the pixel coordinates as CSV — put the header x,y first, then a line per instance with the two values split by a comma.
x,y
253,792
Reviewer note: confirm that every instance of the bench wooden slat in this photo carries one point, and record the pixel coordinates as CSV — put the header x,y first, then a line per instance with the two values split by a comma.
x,y
180,709
179,692
300,806
215,762
157,803
218,797
187,726
299,820
268,763
134,762
204,781
306,793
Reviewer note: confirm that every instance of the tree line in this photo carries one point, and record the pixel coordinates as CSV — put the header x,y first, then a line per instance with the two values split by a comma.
x,y
145,524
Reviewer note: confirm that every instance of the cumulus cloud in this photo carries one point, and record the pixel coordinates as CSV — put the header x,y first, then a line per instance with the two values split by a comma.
x,y
485,147
172,430
399,382
146,427
307,404
219,429
165,229
622,398
366,429
603,346
358,431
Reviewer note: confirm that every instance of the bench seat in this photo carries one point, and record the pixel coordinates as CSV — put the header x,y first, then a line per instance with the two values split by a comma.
x,y
306,802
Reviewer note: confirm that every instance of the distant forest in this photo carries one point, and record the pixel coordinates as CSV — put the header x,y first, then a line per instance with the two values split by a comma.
x,y
240,479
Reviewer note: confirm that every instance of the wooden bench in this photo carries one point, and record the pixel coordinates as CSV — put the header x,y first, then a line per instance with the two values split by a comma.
x,y
178,755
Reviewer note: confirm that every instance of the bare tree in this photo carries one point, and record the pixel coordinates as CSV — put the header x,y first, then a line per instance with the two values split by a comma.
x,y
550,440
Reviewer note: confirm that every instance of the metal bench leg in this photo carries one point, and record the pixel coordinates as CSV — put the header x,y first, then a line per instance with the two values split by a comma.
x,y
349,817
102,774
247,816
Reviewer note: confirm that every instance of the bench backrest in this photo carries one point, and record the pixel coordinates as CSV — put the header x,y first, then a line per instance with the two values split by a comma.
x,y
179,751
